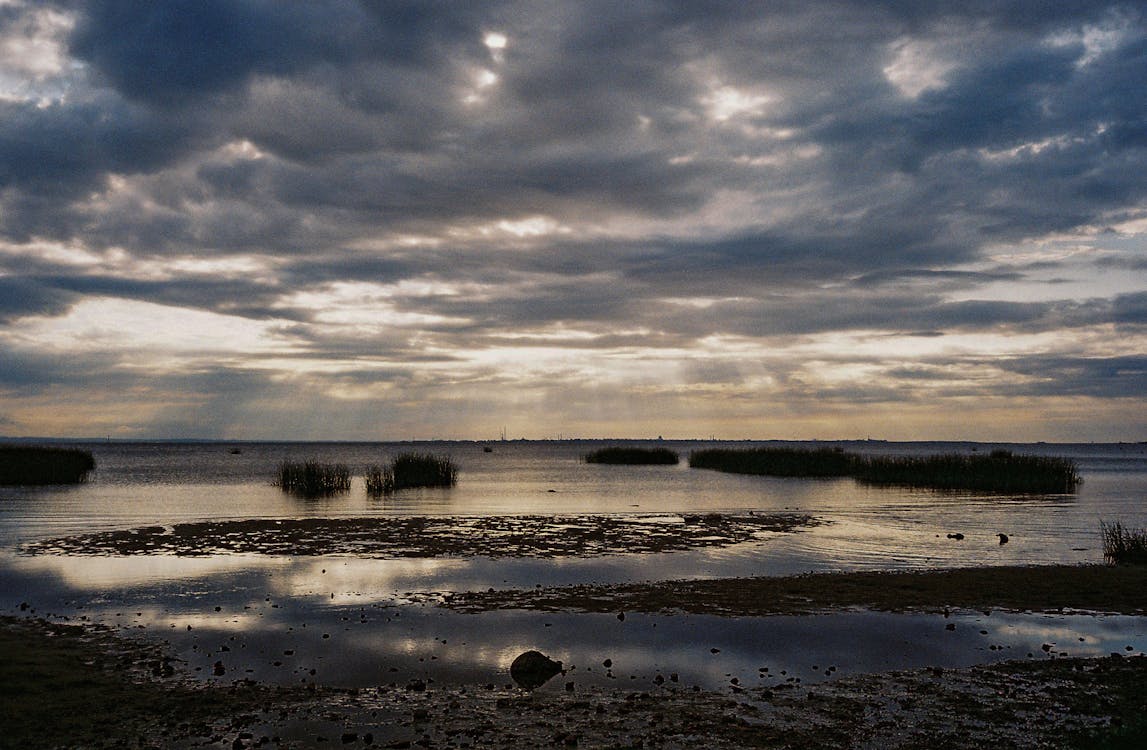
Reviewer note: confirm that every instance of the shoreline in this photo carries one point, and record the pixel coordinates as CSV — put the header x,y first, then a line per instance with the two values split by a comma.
x,y
1104,589
73,685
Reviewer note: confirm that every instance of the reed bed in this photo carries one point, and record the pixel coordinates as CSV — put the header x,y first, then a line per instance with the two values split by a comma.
x,y
411,470
36,465
776,462
1000,471
1123,545
632,456
313,479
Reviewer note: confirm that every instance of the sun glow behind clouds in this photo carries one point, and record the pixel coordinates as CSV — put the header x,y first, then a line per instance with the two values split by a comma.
x,y
108,325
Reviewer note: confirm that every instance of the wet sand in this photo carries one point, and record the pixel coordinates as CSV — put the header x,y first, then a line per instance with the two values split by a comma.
x,y
67,686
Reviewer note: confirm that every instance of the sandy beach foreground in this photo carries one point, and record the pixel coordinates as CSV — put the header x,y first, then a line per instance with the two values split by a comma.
x,y
72,686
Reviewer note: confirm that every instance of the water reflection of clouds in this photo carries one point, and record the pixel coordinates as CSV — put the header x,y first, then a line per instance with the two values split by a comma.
x,y
111,572
351,580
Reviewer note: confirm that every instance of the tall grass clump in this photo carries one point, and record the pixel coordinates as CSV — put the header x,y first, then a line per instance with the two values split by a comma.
x,y
634,456
1000,471
313,479
411,470
776,462
26,464
1123,545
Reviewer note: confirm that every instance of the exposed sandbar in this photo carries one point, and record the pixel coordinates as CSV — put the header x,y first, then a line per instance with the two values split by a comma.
x,y
422,536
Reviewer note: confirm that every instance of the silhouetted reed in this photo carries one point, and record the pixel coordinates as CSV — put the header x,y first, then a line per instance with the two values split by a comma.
x,y
776,462
1001,471
411,470
313,479
1123,545
635,456
27,464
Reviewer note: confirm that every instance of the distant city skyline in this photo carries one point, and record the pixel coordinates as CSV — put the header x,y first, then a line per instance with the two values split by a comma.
x,y
339,220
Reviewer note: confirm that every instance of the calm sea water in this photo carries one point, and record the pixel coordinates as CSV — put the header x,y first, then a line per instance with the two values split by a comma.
x,y
270,600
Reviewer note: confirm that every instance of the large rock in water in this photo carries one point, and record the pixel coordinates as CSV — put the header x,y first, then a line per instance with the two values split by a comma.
x,y
533,669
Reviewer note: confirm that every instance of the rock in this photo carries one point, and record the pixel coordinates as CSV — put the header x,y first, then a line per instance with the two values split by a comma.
x,y
533,669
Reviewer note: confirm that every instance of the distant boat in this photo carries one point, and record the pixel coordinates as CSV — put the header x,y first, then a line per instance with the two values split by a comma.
x,y
235,451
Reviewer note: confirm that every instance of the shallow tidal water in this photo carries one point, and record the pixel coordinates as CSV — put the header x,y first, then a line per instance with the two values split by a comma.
x,y
262,616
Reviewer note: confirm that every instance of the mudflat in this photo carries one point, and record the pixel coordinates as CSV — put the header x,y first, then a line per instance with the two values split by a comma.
x,y
1098,588
68,686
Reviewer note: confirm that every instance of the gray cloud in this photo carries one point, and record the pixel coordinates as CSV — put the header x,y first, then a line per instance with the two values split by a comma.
x,y
692,169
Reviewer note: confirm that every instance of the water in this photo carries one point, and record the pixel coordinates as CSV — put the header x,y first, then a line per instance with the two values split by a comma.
x,y
266,601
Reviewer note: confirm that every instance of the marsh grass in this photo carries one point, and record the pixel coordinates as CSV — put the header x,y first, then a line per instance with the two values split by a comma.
x,y
776,462
313,479
1123,545
411,470
632,456
26,464
1000,471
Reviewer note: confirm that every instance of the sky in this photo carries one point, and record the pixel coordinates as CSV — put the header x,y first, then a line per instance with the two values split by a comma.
x,y
325,220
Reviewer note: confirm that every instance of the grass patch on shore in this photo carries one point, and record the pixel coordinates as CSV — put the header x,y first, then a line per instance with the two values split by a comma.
x,y
411,470
313,479
1123,545
35,465
999,471
776,462
632,456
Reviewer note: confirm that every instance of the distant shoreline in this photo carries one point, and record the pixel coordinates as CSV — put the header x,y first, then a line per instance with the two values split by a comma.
x,y
47,440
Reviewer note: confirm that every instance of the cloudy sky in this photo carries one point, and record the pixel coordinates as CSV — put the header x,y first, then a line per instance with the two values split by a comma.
x,y
390,220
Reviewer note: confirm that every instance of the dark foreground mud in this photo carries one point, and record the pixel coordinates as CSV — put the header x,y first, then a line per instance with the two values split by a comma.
x,y
489,536
65,686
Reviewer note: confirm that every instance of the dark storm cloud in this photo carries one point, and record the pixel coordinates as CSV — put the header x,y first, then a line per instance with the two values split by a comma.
x,y
64,148
21,297
1100,377
167,51
1131,308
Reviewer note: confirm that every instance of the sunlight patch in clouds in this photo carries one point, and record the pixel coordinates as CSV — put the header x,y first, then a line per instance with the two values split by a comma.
x,y
916,66
118,325
32,52
367,306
